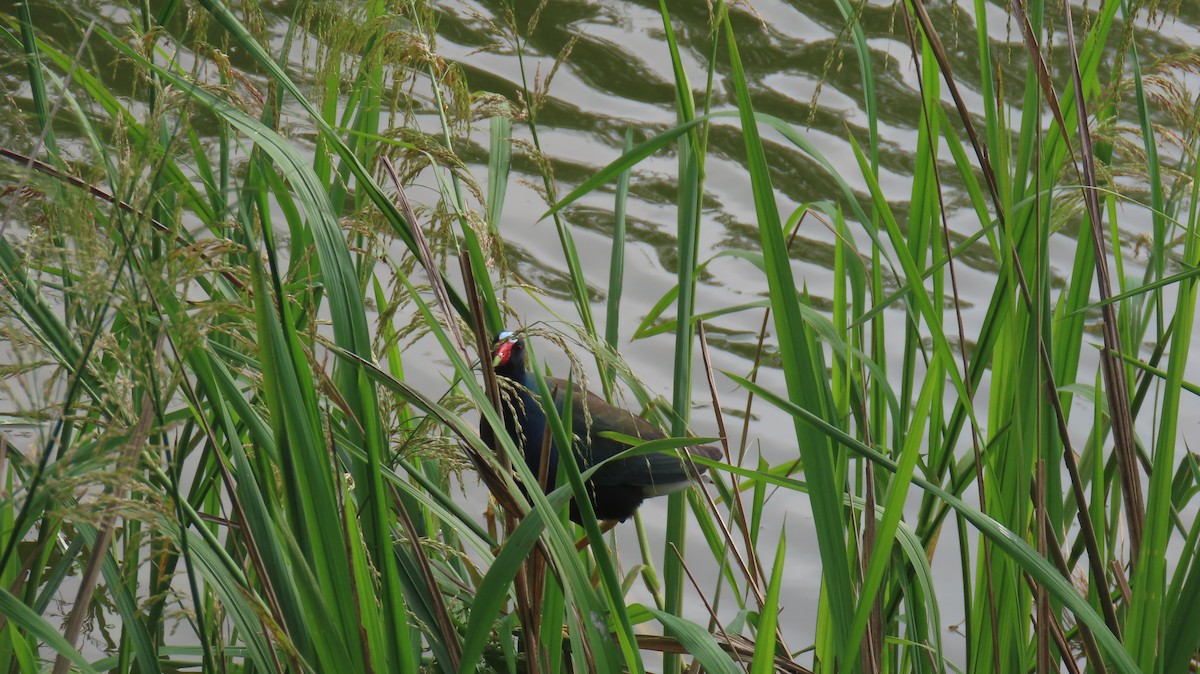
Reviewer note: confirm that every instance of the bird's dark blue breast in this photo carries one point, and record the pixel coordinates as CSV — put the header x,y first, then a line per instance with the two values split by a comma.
x,y
527,426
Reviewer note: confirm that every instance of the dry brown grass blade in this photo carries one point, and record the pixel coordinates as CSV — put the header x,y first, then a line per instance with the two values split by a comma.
x,y
712,613
981,153
87,583
1114,375
753,569
431,271
531,573
450,636
1113,370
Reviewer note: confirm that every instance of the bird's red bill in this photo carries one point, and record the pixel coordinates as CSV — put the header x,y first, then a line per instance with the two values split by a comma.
x,y
502,353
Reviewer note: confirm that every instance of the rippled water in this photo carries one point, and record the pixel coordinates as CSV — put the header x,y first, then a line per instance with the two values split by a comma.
x,y
617,77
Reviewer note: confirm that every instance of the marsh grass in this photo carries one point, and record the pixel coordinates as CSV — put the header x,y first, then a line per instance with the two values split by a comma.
x,y
214,457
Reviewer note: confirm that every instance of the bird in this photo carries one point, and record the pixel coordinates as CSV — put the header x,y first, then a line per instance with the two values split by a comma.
x,y
618,488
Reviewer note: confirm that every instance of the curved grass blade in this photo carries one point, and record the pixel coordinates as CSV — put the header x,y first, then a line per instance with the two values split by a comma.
x,y
708,653
801,366
21,615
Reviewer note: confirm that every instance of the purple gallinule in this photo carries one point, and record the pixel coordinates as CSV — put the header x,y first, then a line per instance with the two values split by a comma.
x,y
618,488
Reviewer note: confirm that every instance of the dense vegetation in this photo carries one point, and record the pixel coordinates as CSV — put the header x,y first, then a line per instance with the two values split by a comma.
x,y
210,276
